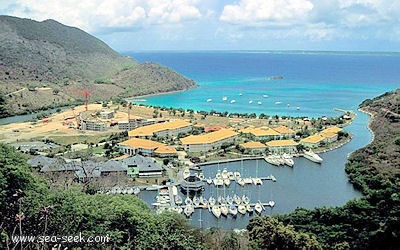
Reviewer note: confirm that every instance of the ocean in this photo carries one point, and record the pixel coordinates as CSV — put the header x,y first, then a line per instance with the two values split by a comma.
x,y
313,83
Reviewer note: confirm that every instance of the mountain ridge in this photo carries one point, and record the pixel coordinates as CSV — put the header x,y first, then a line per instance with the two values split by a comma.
x,y
41,63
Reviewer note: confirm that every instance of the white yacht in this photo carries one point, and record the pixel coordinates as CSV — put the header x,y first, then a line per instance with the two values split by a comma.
x,y
209,100
233,101
224,174
259,103
224,98
250,102
312,156
178,200
231,176
249,209
288,160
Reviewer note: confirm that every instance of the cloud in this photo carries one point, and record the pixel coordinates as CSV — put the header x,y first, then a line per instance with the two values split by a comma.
x,y
99,15
266,12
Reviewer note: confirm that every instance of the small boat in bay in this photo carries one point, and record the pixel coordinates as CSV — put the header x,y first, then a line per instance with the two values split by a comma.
x,y
209,100
312,156
258,208
224,209
188,210
233,210
271,203
224,98
249,209
216,211
242,209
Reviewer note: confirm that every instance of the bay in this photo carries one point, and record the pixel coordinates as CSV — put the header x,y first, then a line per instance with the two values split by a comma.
x,y
315,82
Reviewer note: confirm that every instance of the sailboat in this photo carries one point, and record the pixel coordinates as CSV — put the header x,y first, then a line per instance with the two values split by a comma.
x,y
211,201
224,209
237,199
249,209
216,210
258,207
196,201
229,200
242,209
188,210
233,210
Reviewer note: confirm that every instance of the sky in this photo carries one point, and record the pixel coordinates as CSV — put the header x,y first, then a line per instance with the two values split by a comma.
x,y
137,25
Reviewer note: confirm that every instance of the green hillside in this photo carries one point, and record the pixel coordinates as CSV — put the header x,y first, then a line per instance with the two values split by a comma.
x,y
41,62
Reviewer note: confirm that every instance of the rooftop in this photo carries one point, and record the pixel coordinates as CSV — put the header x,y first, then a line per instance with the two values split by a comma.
x,y
334,129
141,143
209,137
262,131
281,143
284,130
313,139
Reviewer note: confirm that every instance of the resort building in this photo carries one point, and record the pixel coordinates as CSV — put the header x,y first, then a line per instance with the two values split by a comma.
x,y
312,141
262,133
209,141
135,146
253,147
166,129
331,134
282,146
285,132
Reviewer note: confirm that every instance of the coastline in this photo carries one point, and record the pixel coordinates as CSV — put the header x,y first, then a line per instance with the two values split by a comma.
x,y
371,119
132,98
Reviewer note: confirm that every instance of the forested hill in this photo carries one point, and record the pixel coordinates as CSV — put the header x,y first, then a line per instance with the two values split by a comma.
x,y
41,62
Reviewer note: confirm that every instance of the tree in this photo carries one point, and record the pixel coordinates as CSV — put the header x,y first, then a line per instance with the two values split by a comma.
x,y
269,233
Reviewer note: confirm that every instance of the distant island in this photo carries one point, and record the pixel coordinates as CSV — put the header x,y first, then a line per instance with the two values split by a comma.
x,y
47,64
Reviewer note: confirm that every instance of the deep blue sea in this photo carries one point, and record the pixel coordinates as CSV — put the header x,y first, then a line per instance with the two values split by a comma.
x,y
315,82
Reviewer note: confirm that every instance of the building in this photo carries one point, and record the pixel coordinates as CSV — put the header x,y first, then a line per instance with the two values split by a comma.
x,y
113,167
140,166
253,146
282,146
136,122
331,134
209,141
166,129
146,147
312,141
285,132
92,125
107,114
262,133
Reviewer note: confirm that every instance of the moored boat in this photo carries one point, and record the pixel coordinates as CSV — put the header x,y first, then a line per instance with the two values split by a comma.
x,y
188,210
233,210
271,203
224,209
258,208
178,200
216,210
242,209
312,156
249,209
288,160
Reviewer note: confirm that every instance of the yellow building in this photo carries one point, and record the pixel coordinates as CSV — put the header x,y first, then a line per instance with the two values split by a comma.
x,y
282,146
334,129
253,146
262,133
285,131
208,141
134,146
312,141
165,129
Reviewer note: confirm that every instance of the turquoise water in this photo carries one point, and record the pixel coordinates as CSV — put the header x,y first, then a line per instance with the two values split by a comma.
x,y
315,82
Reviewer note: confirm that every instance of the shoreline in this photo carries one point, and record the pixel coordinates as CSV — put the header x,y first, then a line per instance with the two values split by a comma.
x,y
159,94
371,119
